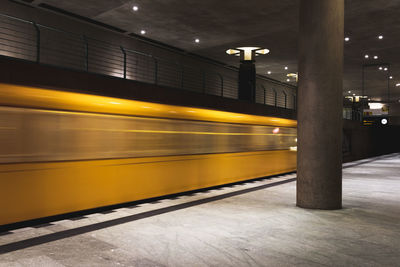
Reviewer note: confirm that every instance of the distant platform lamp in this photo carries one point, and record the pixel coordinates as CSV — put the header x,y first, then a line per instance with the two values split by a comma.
x,y
293,75
247,70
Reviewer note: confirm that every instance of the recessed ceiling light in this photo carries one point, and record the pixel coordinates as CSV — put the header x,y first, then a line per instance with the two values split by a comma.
x,y
135,8
269,72
347,39
366,56
380,37
286,68
142,32
390,77
380,68
354,94
385,69
288,80
197,40
349,92
375,57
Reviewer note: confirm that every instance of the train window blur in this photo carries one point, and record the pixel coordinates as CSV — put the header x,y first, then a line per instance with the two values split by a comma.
x,y
57,136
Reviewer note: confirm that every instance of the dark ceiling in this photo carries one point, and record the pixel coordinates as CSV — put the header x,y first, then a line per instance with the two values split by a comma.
x,y
271,24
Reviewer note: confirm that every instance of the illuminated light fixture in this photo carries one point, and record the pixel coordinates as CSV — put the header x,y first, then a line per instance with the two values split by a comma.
x,y
268,72
247,53
294,75
385,69
375,105
366,56
397,84
380,68
142,32
293,148
247,74
197,40
276,130
347,39
232,52
390,77
135,8
349,92
375,57
286,68
384,121
262,51
380,37
288,80
354,94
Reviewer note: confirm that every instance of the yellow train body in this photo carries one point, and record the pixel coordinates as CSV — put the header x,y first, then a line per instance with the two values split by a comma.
x,y
62,152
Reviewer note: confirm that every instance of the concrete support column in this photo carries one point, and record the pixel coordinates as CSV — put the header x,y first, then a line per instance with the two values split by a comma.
x,y
320,104
247,81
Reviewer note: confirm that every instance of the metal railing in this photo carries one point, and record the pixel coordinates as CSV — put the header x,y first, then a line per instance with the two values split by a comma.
x,y
31,41
275,94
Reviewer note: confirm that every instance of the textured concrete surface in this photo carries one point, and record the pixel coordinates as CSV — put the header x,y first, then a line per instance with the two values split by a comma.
x,y
320,104
260,226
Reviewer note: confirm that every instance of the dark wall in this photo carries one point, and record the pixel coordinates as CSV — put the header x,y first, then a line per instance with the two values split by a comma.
x,y
394,113
368,141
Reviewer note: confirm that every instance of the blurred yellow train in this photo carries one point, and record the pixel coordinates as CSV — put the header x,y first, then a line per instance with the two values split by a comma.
x,y
62,152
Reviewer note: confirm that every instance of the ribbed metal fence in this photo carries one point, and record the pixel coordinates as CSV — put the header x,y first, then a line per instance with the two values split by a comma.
x,y
275,94
18,38
30,41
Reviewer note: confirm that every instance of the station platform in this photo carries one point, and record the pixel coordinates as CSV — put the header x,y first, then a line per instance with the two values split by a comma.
x,y
249,224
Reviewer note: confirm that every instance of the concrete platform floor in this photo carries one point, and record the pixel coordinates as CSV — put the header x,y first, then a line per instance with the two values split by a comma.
x,y
253,224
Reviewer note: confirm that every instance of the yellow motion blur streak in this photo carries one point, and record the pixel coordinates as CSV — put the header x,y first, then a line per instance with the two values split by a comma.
x,y
174,132
22,96
35,190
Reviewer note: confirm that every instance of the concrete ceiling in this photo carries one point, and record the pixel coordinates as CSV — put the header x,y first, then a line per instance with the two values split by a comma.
x,y
271,24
